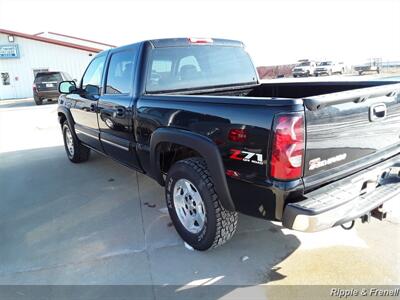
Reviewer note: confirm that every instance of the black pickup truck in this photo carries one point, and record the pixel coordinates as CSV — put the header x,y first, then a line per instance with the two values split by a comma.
x,y
193,115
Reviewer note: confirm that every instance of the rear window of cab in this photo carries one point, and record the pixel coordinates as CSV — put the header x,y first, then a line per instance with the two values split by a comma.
x,y
179,68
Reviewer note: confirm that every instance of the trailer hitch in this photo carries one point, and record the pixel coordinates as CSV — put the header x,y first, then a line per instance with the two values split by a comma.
x,y
379,213
364,219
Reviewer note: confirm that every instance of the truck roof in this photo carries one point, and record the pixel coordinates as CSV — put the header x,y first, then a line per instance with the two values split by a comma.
x,y
179,42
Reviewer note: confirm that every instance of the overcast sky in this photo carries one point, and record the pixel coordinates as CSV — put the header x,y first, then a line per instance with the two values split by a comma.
x,y
275,32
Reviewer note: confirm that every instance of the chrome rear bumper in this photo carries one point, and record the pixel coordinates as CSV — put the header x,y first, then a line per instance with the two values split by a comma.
x,y
346,199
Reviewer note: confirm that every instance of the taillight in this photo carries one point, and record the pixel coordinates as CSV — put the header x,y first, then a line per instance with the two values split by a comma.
x,y
288,147
34,87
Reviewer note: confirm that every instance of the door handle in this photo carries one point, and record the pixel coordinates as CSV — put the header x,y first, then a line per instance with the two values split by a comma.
x,y
119,112
377,112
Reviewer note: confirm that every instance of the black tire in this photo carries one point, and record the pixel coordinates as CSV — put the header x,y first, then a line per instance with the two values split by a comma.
x,y
38,100
219,225
79,152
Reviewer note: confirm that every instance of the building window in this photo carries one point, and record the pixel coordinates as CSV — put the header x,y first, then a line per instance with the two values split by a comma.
x,y
5,78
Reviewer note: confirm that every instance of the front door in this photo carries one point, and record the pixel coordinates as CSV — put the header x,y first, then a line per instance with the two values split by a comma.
x,y
84,105
115,108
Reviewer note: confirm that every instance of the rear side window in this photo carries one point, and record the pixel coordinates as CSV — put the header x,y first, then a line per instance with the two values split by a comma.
x,y
48,77
93,72
120,73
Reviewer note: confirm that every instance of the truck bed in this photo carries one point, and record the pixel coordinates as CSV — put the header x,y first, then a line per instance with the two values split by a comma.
x,y
342,135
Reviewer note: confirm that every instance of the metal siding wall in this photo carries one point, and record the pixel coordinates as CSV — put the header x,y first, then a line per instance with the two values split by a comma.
x,y
38,55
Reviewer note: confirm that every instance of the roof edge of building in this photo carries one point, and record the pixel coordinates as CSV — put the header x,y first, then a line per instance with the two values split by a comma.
x,y
50,41
81,39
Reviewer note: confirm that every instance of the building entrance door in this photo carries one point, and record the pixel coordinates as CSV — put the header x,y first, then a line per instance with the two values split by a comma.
x,y
7,90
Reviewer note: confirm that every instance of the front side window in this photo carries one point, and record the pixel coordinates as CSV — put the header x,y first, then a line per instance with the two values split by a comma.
x,y
93,72
120,73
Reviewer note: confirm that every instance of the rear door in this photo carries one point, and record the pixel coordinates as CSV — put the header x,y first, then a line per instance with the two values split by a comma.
x,y
361,129
115,114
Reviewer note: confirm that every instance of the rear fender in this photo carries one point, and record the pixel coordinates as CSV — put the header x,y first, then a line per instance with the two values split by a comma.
x,y
201,144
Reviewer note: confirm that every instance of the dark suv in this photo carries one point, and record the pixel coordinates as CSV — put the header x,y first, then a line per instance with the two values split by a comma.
x,y
45,85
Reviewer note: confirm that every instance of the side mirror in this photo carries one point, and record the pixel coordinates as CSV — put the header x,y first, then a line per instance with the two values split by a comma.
x,y
67,87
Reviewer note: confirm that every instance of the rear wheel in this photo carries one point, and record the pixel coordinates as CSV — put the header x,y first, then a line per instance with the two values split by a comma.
x,y
38,100
195,208
76,152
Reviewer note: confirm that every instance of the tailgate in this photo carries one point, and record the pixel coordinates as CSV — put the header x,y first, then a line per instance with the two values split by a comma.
x,y
349,131
47,86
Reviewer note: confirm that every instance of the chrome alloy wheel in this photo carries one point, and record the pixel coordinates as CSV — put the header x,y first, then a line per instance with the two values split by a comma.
x,y
189,206
69,141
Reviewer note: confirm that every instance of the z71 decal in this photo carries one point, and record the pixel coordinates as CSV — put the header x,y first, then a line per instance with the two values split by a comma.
x,y
246,156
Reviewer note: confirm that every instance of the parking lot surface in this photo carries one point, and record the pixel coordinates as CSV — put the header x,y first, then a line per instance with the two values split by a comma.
x,y
101,223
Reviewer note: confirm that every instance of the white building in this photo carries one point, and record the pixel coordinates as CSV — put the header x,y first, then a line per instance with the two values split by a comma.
x,y
23,55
